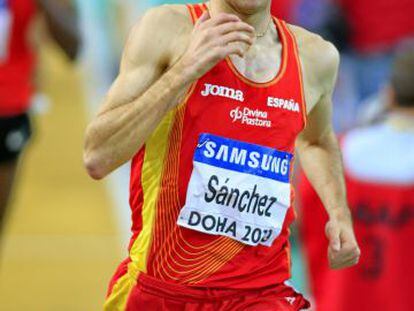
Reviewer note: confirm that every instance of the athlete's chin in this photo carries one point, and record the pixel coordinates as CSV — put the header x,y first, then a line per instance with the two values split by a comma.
x,y
249,6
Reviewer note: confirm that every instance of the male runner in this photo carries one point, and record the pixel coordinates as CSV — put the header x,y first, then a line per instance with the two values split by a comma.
x,y
17,66
209,103
379,170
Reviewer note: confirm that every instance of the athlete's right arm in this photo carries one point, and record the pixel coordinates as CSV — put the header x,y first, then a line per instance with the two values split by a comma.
x,y
154,77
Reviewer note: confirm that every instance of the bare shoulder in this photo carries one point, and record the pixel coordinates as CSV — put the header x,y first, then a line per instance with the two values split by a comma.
x,y
158,33
320,58
168,15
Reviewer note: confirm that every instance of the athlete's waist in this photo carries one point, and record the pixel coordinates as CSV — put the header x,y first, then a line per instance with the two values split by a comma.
x,y
251,268
183,292
12,109
15,96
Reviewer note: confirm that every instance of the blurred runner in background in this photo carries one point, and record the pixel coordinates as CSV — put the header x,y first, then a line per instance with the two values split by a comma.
x,y
17,65
284,9
367,33
379,167
376,28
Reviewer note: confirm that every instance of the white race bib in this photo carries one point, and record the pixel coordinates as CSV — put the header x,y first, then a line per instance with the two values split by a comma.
x,y
5,29
237,189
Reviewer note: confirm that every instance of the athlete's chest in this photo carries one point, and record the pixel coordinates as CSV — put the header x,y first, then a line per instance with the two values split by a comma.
x,y
237,153
225,103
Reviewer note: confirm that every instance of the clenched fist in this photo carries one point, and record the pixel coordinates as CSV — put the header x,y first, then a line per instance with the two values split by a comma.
x,y
343,250
213,39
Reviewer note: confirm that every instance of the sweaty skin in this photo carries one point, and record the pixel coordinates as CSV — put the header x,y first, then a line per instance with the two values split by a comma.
x,y
165,54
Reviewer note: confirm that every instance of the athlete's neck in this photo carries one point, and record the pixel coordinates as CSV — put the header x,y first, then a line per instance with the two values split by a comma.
x,y
258,17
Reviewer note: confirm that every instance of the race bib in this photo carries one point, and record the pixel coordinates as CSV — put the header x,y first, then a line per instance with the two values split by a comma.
x,y
238,190
5,28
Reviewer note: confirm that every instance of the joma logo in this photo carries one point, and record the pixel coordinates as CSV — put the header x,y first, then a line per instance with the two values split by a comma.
x,y
223,91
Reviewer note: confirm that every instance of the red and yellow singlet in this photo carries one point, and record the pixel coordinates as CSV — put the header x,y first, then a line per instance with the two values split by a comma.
x,y
211,190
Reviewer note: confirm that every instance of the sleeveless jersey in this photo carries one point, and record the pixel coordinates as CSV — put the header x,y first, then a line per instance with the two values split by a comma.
x,y
17,59
380,185
211,191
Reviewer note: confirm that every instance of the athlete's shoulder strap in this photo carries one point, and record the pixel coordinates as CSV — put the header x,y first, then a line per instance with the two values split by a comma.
x,y
196,10
293,60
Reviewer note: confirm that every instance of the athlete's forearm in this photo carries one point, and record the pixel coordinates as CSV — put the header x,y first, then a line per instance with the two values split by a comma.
x,y
322,162
116,135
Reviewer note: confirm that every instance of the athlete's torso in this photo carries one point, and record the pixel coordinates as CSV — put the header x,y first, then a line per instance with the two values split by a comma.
x,y
220,164
17,61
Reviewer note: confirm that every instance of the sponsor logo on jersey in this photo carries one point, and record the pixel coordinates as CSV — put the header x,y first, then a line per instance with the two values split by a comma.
x,y
253,117
243,157
281,103
222,91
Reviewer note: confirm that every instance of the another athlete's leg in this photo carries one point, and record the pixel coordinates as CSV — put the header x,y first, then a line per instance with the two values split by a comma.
x,y
7,175
14,135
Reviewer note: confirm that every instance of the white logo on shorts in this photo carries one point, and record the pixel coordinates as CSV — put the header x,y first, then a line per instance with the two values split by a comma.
x,y
15,141
291,300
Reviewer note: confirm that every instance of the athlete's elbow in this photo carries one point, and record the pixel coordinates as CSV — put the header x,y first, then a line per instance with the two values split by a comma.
x,y
94,166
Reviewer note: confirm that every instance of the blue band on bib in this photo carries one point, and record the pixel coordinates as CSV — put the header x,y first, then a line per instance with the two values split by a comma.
x,y
243,157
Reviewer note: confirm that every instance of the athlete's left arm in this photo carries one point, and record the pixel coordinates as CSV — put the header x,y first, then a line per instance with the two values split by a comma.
x,y
319,152
62,22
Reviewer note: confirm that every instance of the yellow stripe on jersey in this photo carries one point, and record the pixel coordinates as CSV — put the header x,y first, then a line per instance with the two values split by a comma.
x,y
118,299
155,151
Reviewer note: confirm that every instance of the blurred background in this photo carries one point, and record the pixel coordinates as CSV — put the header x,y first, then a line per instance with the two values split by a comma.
x,y
63,234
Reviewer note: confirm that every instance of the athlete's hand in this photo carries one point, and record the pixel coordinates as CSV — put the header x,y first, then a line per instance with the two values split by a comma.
x,y
213,39
343,250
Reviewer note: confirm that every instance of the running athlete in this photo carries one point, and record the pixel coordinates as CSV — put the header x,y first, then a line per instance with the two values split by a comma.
x,y
17,65
210,101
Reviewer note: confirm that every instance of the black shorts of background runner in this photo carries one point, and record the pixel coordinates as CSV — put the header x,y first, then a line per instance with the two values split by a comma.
x,y
15,132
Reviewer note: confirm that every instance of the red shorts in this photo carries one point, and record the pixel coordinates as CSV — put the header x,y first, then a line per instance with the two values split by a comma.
x,y
154,295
